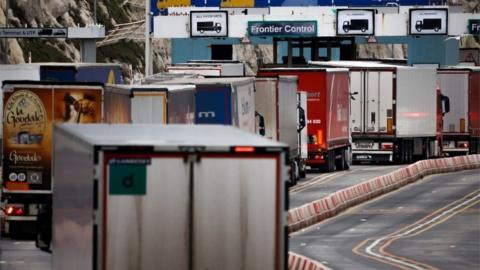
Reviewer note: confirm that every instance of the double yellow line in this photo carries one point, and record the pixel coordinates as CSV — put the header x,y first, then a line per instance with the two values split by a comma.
x,y
366,247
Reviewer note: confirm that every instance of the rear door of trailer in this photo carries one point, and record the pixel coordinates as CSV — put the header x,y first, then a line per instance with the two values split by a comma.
x,y
235,225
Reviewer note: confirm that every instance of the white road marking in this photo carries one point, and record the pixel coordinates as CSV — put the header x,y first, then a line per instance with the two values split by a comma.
x,y
370,248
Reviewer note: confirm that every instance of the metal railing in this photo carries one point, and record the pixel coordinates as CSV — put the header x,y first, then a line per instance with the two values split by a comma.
x,y
125,31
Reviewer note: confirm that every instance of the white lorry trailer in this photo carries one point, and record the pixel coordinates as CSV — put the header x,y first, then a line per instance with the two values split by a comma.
x,y
148,197
461,126
212,68
394,111
276,101
160,104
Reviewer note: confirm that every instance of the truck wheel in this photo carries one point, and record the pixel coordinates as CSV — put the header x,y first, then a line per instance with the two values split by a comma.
x,y
348,159
331,161
436,29
340,163
363,29
218,30
302,172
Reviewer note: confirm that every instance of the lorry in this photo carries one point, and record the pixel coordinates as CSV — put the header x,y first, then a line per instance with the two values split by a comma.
x,y
209,68
355,24
161,104
220,203
30,109
276,101
209,26
434,24
223,101
328,113
461,126
62,72
394,116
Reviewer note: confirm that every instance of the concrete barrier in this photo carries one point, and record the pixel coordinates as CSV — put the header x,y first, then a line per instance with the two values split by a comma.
x,y
314,212
299,262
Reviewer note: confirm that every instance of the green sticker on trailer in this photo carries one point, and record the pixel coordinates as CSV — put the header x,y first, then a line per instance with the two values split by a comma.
x,y
128,179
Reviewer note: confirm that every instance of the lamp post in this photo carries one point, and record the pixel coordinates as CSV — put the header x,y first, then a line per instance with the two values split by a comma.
x,y
148,58
5,40
95,11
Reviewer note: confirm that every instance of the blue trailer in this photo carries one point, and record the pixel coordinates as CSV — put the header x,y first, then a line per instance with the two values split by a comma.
x,y
214,104
83,72
223,101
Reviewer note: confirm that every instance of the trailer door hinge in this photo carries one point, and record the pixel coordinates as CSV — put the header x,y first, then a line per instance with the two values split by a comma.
x,y
192,158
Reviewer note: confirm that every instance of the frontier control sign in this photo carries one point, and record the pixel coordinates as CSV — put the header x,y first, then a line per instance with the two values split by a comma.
x,y
284,28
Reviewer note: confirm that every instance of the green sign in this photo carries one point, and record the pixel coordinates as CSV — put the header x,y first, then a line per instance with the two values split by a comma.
x,y
474,26
128,179
283,28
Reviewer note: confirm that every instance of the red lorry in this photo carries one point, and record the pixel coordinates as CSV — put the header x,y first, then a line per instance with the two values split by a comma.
x,y
328,114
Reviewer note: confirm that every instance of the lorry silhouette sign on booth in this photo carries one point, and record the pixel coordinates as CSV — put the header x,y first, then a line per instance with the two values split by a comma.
x,y
208,24
355,22
428,22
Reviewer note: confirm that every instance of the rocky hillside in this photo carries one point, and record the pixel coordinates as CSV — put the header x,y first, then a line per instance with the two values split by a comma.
x,y
64,13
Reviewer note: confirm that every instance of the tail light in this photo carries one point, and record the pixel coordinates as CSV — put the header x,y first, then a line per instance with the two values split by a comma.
x,y
244,149
462,125
320,137
14,210
463,144
387,146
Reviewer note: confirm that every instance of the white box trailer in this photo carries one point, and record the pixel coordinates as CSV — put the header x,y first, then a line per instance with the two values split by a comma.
x,y
146,196
394,114
209,68
160,104
276,102
461,133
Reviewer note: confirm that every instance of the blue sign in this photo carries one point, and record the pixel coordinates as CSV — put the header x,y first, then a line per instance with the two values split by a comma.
x,y
283,28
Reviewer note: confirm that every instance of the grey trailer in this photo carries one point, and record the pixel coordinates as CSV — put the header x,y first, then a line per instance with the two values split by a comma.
x,y
276,101
145,196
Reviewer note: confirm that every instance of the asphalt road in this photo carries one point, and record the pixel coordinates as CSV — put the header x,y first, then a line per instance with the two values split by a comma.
x,y
22,255
319,185
432,224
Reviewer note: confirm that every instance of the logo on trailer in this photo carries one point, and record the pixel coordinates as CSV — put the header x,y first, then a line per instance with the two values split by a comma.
x,y
25,118
210,114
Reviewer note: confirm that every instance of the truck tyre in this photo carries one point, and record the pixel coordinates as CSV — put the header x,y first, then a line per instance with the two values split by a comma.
x,y
406,152
348,159
302,171
340,163
330,161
